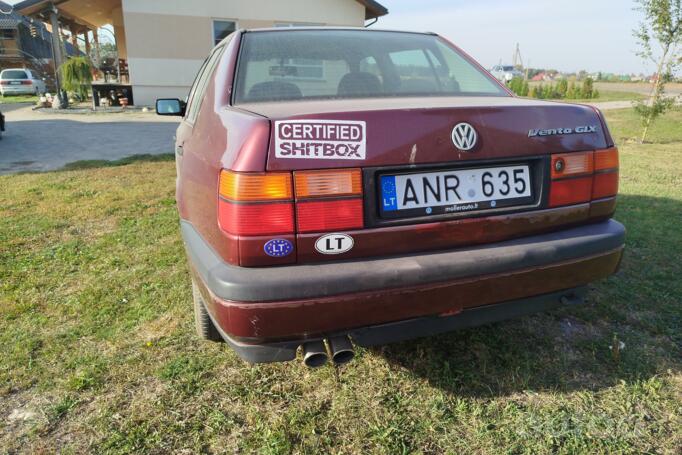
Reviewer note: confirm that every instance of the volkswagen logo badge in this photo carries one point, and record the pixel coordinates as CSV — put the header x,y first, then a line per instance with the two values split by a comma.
x,y
464,136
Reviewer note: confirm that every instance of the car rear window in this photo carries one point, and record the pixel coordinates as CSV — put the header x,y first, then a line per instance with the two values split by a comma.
x,y
314,64
13,74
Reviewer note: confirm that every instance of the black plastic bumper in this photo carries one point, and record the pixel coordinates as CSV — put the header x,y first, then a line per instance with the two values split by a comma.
x,y
268,284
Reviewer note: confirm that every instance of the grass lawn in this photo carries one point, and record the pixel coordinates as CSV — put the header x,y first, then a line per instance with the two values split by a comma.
x,y
606,95
13,99
99,353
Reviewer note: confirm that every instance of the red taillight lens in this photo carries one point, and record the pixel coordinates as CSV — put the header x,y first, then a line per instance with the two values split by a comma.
x,y
331,215
582,176
328,200
570,191
256,204
26,82
605,185
256,219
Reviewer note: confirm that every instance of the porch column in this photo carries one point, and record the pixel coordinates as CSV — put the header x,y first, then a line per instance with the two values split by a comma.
x,y
95,38
86,35
57,55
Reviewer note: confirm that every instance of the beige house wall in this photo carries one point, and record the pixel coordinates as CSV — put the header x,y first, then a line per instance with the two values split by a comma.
x,y
167,41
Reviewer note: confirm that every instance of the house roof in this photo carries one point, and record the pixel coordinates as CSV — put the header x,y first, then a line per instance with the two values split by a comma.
x,y
8,21
373,9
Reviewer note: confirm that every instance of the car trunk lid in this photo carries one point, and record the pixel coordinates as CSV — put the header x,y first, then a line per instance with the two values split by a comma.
x,y
415,131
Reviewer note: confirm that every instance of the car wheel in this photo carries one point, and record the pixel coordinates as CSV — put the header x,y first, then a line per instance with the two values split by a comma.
x,y
202,321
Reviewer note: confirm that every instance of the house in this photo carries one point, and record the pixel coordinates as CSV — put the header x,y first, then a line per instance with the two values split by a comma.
x,y
22,44
162,44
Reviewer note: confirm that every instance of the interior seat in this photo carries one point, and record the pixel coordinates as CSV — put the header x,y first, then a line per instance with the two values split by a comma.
x,y
359,84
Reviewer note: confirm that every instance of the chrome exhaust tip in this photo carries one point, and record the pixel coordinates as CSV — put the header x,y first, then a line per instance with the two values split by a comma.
x,y
341,349
314,354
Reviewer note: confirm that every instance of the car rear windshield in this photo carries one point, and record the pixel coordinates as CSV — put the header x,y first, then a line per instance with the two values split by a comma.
x,y
13,74
318,64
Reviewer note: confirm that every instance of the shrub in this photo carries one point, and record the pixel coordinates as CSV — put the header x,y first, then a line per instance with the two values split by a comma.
x,y
76,76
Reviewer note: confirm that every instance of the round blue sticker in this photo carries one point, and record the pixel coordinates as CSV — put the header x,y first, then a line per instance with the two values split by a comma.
x,y
278,248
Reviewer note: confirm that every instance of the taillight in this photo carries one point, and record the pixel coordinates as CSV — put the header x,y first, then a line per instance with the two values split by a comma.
x,y
256,204
328,200
29,82
582,176
606,173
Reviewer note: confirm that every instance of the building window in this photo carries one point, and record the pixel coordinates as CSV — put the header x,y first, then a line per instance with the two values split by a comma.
x,y
221,29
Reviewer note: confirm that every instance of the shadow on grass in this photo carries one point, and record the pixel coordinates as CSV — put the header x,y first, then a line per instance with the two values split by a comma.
x,y
90,164
572,348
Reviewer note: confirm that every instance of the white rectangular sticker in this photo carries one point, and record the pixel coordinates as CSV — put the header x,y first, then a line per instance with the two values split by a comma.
x,y
321,139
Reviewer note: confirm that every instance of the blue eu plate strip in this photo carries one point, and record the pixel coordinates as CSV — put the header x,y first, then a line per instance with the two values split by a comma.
x,y
389,199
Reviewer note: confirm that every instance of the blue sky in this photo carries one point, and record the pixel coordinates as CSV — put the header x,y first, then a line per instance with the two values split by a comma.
x,y
568,35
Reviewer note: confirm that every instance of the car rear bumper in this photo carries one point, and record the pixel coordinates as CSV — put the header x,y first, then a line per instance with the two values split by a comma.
x,y
17,90
260,307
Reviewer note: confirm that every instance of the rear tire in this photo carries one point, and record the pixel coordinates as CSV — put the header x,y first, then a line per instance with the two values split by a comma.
x,y
202,321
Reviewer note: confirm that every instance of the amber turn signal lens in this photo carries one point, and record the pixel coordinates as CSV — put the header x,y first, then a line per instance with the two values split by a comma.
x,y
606,159
338,182
571,164
274,186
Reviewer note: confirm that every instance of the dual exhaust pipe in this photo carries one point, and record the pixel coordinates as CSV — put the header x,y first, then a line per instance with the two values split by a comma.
x,y
316,355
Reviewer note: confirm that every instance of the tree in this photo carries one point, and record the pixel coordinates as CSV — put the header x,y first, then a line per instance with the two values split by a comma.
x,y
662,25
587,90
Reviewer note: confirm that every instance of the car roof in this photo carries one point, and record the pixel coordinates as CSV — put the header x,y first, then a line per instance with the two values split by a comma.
x,y
331,27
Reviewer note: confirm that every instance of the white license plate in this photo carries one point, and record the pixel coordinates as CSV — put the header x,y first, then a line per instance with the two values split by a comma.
x,y
15,83
453,191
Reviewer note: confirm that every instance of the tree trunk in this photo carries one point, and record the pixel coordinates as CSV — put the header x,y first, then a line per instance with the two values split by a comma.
x,y
656,94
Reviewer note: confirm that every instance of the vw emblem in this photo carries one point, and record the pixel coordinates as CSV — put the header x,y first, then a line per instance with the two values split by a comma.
x,y
464,136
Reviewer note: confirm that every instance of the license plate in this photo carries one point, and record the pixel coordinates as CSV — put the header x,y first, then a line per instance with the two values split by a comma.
x,y
455,191
15,83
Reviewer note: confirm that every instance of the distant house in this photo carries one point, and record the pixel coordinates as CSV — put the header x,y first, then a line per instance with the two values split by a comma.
x,y
25,43
162,43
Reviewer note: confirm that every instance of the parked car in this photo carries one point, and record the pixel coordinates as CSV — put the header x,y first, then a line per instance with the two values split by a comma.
x,y
341,187
505,73
20,81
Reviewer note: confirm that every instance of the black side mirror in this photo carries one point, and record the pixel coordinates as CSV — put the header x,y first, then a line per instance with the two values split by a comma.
x,y
171,107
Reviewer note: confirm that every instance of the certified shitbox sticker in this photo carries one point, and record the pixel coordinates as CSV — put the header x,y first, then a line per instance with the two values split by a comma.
x,y
320,139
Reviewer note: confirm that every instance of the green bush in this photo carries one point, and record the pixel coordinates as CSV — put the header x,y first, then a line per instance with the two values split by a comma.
x,y
77,76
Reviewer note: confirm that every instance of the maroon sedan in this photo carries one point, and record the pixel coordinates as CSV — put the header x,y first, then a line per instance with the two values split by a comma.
x,y
347,186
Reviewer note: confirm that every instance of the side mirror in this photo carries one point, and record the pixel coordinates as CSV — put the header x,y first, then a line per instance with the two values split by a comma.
x,y
171,107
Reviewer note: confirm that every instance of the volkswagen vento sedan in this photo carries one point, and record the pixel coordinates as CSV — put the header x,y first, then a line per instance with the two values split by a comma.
x,y
343,187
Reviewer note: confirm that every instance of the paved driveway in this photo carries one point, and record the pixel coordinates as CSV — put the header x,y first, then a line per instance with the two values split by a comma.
x,y
36,141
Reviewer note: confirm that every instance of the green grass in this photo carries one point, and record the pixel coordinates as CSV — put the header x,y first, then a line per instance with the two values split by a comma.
x,y
13,99
607,95
99,353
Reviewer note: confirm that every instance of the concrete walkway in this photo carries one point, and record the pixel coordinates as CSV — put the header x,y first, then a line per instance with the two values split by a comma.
x,y
37,141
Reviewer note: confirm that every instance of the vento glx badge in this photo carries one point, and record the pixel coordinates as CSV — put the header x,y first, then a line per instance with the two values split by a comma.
x,y
561,131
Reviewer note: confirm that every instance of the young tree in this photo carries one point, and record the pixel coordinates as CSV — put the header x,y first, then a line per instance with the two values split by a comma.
x,y
662,25
586,92
562,88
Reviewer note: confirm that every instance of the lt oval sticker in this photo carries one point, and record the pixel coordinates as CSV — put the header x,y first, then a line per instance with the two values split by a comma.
x,y
334,244
278,248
